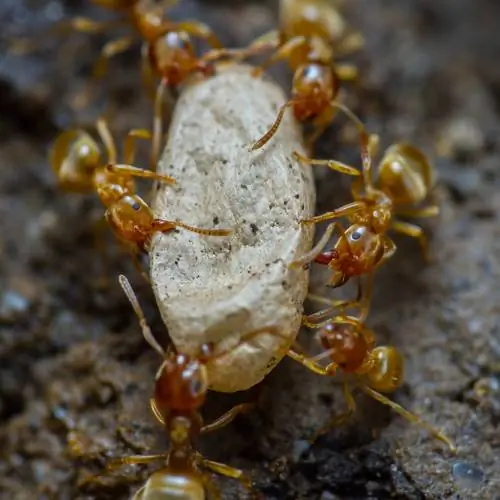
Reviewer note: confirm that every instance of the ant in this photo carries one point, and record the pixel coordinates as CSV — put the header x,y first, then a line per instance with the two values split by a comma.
x,y
350,345
312,34
77,161
404,180
180,391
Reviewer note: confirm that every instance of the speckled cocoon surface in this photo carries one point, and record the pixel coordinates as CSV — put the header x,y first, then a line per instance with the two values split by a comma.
x,y
214,289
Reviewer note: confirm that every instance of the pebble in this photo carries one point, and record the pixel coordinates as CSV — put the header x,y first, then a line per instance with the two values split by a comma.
x,y
467,476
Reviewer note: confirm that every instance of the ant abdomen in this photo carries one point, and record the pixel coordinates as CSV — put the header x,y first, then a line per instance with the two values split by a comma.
x,y
73,157
405,174
387,369
167,485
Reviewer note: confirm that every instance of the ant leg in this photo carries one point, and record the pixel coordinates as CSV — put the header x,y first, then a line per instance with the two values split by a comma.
x,y
133,460
199,30
345,211
267,41
137,263
162,225
317,249
273,129
283,52
339,419
146,330
157,124
350,44
389,250
347,72
227,471
81,24
122,169
155,411
110,49
365,295
310,364
129,144
333,164
247,336
227,417
107,139
138,495
414,231
320,124
409,416
431,211
211,487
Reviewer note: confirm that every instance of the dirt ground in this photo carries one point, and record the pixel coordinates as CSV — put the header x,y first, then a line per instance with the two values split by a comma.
x,y
72,357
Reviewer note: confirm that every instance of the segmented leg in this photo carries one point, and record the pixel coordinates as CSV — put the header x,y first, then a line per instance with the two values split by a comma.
x,y
414,231
409,416
227,417
339,419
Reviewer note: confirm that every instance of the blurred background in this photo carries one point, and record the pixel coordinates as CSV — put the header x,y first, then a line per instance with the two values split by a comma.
x,y
72,358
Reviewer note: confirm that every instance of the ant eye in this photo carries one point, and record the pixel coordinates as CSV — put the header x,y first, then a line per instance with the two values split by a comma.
x,y
136,206
356,235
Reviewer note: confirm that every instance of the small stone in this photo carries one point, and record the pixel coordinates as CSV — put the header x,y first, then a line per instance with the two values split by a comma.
x,y
13,305
467,476
326,495
300,446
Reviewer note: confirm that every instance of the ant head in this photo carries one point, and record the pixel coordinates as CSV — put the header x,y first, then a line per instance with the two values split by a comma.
x,y
346,345
405,174
387,370
73,157
181,384
131,218
314,86
172,56
359,250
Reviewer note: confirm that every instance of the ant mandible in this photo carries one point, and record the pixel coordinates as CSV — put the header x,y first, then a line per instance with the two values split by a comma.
x,y
350,345
312,34
78,163
180,391
404,180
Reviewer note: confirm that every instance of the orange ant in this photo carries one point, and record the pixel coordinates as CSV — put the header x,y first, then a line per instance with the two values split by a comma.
x,y
180,391
77,161
350,345
404,179
312,34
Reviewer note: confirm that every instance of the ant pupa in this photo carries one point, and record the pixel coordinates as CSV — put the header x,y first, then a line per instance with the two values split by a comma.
x,y
404,180
311,36
181,387
77,160
375,370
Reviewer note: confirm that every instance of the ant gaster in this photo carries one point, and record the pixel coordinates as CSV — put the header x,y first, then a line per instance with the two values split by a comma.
x,y
78,163
404,180
180,391
350,345
312,34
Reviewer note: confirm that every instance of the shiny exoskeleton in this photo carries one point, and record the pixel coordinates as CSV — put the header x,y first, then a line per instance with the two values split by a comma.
x,y
311,35
180,391
403,182
351,348
80,166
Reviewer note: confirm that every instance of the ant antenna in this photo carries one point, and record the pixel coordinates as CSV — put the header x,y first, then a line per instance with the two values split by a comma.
x,y
146,331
